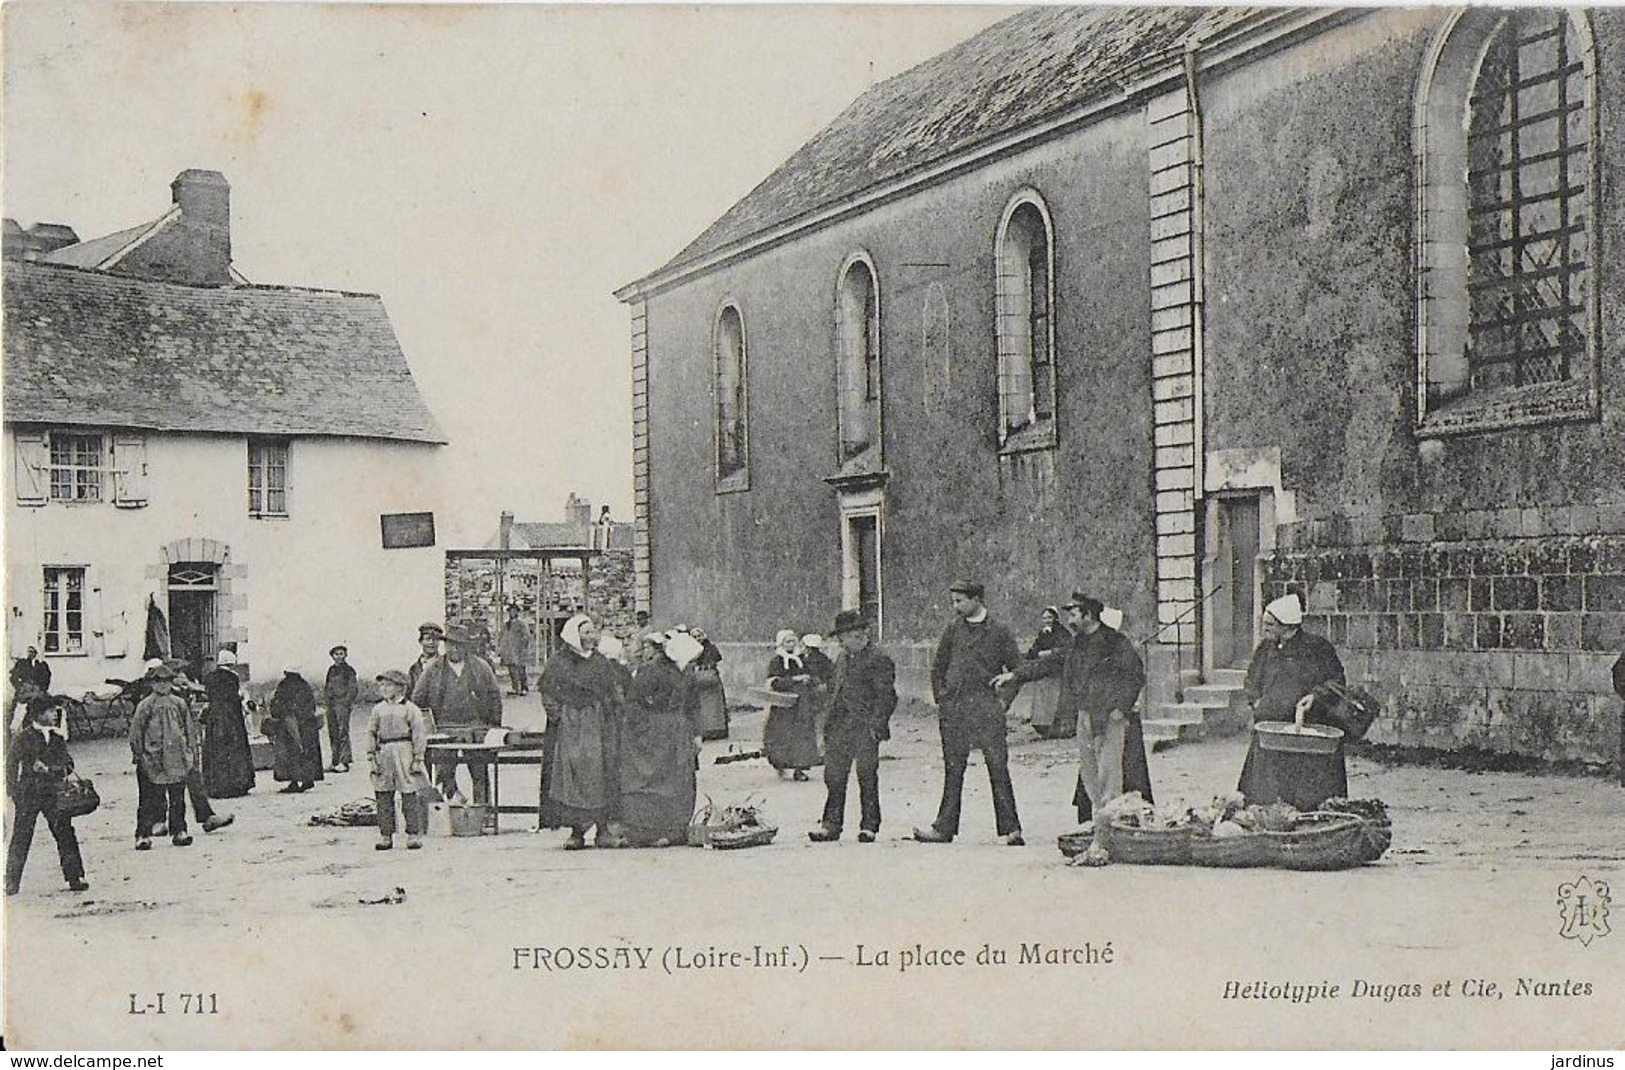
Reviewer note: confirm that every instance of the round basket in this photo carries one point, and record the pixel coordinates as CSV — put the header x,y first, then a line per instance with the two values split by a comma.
x,y
1073,844
1293,738
778,699
1322,842
1232,852
1149,847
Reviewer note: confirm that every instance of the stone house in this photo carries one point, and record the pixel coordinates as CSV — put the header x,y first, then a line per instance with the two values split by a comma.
x,y
1186,307
253,462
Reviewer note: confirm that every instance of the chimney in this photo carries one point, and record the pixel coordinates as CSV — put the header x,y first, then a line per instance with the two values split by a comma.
x,y
204,198
505,531
578,510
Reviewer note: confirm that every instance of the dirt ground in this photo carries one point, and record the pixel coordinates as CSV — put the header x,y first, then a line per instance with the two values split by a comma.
x,y
270,915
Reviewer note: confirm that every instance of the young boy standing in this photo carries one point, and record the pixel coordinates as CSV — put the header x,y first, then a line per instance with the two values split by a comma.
x,y
396,741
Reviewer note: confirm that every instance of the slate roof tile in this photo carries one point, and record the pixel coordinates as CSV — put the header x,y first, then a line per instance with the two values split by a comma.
x,y
1016,73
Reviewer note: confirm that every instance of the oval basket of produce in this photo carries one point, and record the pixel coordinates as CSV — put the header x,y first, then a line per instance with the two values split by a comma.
x,y
738,826
1321,841
1298,738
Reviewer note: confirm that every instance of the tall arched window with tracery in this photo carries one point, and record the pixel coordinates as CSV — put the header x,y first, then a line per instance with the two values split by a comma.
x,y
1025,301
732,410
1506,135
857,314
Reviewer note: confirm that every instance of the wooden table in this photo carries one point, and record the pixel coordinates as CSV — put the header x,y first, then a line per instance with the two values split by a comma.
x,y
490,757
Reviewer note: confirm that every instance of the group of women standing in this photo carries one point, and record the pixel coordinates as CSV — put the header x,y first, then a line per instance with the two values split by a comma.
x,y
623,741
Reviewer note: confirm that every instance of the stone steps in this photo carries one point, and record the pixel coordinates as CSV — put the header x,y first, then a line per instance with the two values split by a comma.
x,y
1206,710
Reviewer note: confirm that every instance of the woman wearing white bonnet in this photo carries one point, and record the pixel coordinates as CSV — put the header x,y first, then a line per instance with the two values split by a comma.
x,y
789,737
1289,665
580,690
228,763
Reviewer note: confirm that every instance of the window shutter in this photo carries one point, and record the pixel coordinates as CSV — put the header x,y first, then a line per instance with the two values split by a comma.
x,y
31,460
130,471
111,626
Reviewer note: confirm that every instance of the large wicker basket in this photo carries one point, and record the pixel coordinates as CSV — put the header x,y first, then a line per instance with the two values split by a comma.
x,y
1322,842
1233,852
1149,847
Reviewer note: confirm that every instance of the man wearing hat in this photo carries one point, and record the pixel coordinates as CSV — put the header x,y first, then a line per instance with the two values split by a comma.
x,y
861,701
971,653
461,692
339,693
1289,665
1101,677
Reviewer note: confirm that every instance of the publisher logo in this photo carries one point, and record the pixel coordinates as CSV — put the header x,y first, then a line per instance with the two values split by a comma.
x,y
1583,905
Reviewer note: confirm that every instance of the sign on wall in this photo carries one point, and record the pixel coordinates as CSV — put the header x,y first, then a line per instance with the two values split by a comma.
x,y
402,530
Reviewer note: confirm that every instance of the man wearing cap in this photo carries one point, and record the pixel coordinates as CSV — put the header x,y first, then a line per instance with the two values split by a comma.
x,y
164,746
971,653
513,648
1289,665
462,692
862,697
429,634
1101,677
339,693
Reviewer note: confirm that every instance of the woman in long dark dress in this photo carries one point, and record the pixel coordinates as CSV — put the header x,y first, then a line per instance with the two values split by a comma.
x,y
789,737
228,764
708,697
292,725
1289,667
659,745
581,693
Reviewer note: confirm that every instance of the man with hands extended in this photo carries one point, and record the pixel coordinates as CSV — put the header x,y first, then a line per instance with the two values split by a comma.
x,y
862,698
1101,677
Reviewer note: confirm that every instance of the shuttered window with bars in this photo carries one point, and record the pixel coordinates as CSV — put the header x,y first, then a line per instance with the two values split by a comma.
x,y
1507,181
1527,145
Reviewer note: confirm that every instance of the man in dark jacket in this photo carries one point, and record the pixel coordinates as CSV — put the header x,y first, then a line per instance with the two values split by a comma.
x,y
1288,666
463,693
339,693
973,651
1619,689
1101,678
29,669
862,698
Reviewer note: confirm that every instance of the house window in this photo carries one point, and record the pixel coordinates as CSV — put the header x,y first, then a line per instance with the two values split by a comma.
x,y
267,477
732,422
858,371
1507,179
76,467
64,626
1025,299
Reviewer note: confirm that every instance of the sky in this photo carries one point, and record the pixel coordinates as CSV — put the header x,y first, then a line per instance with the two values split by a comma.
x,y
494,172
